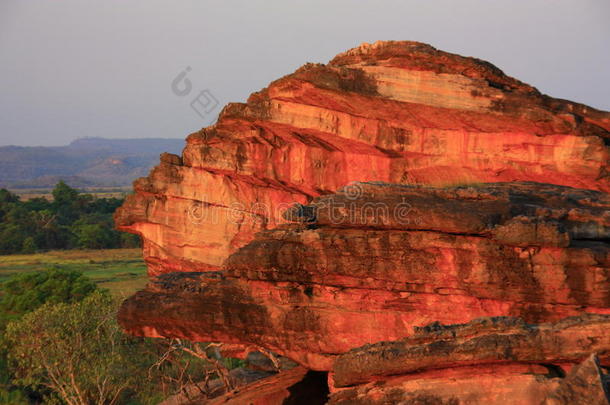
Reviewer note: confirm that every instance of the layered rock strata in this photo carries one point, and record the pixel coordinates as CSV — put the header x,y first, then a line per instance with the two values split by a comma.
x,y
368,265
488,361
497,360
398,112
354,202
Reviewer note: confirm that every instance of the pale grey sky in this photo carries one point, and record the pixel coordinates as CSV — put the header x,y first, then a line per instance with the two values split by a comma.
x,y
74,68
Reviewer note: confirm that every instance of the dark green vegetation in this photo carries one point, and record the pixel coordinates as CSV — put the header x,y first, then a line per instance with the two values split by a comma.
x,y
85,162
60,344
71,220
25,292
73,351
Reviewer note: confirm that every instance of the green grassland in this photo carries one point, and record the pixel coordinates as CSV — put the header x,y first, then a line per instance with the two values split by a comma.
x,y
122,271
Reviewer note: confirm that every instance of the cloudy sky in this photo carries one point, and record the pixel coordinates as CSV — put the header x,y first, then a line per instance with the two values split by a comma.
x,y
70,69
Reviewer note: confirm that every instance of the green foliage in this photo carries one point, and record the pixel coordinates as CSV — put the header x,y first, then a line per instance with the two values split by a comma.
x,y
231,363
95,236
62,342
7,197
29,245
25,292
64,195
37,204
9,394
122,271
129,240
77,353
13,397
71,220
77,350
11,238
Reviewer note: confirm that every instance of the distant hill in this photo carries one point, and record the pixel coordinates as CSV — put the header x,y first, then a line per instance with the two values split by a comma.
x,y
86,162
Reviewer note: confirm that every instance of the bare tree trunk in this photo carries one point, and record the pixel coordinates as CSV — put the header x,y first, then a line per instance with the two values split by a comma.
x,y
221,369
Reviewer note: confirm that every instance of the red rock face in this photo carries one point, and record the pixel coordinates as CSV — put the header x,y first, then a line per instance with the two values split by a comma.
x,y
483,198
484,342
399,112
363,269
489,361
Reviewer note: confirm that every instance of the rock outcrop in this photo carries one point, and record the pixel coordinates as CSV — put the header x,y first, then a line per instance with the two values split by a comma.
x,y
368,265
488,361
356,202
398,112
485,341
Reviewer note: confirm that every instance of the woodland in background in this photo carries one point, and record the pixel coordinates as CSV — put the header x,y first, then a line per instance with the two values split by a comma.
x,y
71,220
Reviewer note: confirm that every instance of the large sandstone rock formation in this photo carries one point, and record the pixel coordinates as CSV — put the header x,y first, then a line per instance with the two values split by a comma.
x,y
489,361
355,202
398,112
363,269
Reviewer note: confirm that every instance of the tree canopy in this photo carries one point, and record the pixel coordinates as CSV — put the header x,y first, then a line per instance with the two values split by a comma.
x,y
76,350
25,292
71,220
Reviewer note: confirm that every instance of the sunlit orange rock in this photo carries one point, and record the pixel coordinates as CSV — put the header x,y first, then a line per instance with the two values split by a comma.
x,y
482,342
395,187
371,262
399,112
488,361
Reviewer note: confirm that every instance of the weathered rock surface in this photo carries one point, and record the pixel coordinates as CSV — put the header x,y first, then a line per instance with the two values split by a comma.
x,y
395,187
398,112
368,266
485,385
585,384
488,361
193,393
291,387
297,386
485,341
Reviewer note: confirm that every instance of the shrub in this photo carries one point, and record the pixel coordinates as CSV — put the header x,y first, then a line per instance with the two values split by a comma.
x,y
25,292
77,350
29,245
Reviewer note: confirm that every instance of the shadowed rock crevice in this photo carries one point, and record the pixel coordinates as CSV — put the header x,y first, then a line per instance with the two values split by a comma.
x,y
311,390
